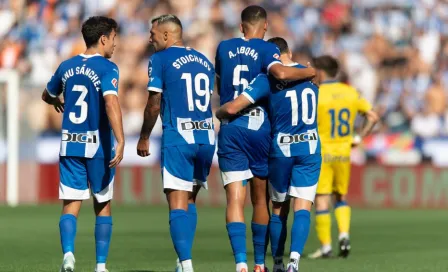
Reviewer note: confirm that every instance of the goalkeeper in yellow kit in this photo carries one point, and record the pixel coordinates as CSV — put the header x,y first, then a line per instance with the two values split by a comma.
x,y
338,106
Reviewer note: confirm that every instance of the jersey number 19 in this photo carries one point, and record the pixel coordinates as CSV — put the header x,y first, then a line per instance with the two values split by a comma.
x,y
198,79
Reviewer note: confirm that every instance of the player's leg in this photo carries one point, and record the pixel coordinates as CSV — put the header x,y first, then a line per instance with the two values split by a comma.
x,y
260,220
258,154
322,206
234,166
73,189
303,187
101,179
177,175
342,210
280,170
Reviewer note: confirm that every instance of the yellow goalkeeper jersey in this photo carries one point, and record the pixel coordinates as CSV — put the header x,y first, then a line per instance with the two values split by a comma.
x,y
338,106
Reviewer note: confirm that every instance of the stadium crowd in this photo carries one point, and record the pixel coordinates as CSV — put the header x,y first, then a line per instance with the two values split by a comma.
x,y
394,52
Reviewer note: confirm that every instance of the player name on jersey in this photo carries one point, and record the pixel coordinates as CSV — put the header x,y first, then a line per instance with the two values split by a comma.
x,y
191,58
243,50
82,70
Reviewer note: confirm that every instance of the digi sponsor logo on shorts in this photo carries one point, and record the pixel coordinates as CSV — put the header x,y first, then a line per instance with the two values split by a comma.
x,y
251,112
196,125
298,138
79,138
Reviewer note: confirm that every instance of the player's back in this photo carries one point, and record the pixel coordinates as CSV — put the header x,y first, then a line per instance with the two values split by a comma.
x,y
238,62
338,106
186,78
293,114
86,131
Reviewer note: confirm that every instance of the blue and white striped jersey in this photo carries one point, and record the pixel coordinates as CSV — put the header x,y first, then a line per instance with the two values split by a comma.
x,y
238,62
293,114
185,78
84,80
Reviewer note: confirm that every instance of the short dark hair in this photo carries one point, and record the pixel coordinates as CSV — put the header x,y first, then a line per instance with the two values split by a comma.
x,y
281,44
253,14
328,64
95,27
167,18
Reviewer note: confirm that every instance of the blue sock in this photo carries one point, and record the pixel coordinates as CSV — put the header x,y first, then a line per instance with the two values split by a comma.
x,y
103,232
260,240
278,233
237,237
300,230
193,219
67,230
180,233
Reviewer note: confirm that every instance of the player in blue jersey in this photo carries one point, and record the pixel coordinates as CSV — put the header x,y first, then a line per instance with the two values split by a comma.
x,y
89,84
180,87
295,160
243,141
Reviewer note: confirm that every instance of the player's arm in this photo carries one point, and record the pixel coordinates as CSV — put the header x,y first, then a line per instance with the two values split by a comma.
x,y
109,87
51,93
371,119
113,111
257,89
152,109
53,100
281,72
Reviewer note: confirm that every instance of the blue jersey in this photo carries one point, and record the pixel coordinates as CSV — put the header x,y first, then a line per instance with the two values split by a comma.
x,y
84,80
185,78
238,62
292,111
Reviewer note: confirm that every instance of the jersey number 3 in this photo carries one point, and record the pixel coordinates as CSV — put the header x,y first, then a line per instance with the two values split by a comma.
x,y
81,102
197,89
309,120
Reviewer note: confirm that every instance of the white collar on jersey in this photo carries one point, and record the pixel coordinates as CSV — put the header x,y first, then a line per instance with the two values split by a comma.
x,y
90,56
292,64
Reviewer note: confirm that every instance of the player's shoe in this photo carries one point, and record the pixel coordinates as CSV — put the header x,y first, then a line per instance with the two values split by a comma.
x,y
258,268
68,264
319,254
178,266
278,268
293,266
344,248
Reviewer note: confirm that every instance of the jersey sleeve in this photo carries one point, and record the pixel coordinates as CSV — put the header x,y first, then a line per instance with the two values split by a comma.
x,y
54,86
363,105
109,81
257,89
212,80
271,56
218,62
155,68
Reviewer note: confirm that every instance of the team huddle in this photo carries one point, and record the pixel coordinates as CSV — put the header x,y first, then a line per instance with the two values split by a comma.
x,y
286,134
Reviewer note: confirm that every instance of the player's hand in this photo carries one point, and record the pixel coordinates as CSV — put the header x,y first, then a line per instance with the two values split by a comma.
x,y
356,141
118,155
143,147
315,79
59,106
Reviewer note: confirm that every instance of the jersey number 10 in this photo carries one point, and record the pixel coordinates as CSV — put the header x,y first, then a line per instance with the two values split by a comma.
x,y
197,89
309,120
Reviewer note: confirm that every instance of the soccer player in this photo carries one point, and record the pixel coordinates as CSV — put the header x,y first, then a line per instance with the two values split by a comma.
x,y
243,141
295,160
180,87
338,106
89,84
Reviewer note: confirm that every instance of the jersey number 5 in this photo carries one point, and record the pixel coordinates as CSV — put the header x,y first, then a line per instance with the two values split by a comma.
x,y
237,80
81,103
309,120
197,88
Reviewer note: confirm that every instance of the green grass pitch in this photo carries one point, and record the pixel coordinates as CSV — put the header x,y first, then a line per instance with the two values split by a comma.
x,y
382,240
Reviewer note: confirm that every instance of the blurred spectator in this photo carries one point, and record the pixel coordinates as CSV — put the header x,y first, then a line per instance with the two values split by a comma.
x,y
389,50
